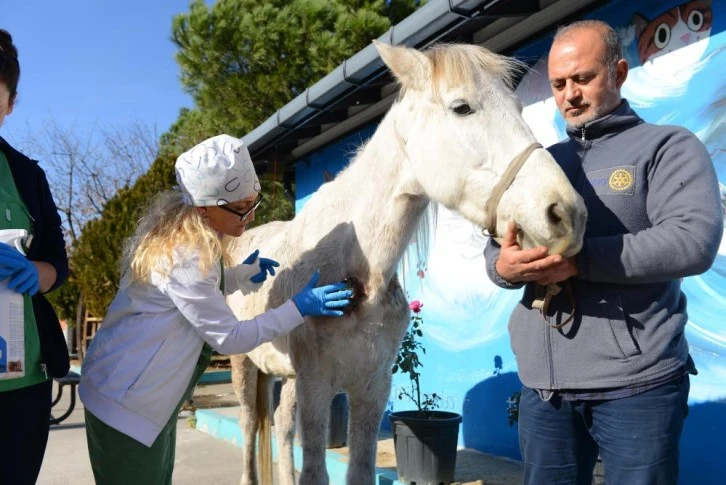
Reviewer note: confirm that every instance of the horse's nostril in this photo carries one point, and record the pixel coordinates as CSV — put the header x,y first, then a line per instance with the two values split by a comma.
x,y
552,214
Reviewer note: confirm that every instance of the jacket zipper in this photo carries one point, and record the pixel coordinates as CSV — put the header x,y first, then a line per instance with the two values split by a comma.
x,y
550,363
45,369
549,330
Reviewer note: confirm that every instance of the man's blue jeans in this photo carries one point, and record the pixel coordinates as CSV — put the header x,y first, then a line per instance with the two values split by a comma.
x,y
637,437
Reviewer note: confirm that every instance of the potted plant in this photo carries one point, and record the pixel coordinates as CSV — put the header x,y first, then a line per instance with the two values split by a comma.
x,y
424,439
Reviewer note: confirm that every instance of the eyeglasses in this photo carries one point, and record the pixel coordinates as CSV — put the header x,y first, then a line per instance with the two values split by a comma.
x,y
246,214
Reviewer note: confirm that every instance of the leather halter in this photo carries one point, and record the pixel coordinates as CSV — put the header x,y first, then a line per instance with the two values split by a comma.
x,y
544,294
510,173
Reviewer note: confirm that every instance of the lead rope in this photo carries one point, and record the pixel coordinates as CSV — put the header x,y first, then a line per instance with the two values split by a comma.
x,y
543,298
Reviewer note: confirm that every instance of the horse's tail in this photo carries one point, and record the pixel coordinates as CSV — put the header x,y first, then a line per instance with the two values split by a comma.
x,y
264,443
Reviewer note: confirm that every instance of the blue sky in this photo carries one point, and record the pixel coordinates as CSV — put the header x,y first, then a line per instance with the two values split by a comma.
x,y
89,63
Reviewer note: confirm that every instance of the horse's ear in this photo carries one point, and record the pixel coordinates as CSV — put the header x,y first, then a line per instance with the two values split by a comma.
x,y
411,67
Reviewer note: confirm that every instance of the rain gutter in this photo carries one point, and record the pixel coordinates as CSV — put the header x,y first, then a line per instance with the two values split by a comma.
x,y
426,25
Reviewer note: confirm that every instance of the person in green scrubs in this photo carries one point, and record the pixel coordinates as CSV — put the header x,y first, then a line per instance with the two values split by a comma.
x,y
26,367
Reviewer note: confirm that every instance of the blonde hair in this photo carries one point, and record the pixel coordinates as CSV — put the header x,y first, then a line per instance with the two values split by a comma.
x,y
169,224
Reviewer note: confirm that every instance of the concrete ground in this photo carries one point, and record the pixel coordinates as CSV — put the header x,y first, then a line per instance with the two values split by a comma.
x,y
202,458
472,467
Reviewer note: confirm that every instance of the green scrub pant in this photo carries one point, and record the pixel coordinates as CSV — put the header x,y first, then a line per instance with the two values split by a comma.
x,y
117,459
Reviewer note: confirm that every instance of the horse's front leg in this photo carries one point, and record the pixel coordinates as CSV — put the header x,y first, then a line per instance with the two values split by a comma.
x,y
285,432
244,382
314,395
367,404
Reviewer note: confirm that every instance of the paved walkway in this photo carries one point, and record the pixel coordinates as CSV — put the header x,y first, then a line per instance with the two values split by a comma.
x,y
202,458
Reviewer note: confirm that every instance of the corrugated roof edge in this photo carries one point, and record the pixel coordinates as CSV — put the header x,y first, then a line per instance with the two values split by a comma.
x,y
414,29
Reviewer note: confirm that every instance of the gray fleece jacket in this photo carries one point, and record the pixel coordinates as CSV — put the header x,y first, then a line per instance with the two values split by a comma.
x,y
654,217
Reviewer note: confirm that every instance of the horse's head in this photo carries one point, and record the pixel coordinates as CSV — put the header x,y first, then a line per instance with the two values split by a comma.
x,y
460,126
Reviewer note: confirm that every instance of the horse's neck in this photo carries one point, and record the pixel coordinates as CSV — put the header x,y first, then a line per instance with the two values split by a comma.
x,y
388,214
382,204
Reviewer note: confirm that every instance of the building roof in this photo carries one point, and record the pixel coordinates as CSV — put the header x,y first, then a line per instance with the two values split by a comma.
x,y
361,90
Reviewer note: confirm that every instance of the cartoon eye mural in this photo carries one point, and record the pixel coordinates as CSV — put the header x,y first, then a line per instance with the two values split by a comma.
x,y
662,36
695,20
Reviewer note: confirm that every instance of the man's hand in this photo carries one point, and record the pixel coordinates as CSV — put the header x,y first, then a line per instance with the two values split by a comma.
x,y
524,265
559,272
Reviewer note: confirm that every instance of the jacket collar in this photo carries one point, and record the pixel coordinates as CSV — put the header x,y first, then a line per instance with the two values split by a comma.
x,y
622,117
10,153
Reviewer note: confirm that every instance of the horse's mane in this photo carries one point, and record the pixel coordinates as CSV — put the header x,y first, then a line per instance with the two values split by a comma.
x,y
456,64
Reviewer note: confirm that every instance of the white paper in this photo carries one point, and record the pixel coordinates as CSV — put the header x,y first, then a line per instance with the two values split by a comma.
x,y
12,333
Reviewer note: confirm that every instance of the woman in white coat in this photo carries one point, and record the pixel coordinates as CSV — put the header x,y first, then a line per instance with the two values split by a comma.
x,y
170,312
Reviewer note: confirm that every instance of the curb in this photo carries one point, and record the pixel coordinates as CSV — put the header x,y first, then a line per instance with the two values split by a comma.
x,y
216,377
226,428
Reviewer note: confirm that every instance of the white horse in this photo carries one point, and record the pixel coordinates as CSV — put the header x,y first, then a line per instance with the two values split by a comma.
x,y
451,137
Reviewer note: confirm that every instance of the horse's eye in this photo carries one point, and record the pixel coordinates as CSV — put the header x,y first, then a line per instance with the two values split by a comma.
x,y
462,109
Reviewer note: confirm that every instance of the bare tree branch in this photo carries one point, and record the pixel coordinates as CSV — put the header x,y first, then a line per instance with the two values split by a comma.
x,y
85,170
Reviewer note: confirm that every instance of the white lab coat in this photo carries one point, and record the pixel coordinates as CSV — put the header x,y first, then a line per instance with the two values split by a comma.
x,y
142,359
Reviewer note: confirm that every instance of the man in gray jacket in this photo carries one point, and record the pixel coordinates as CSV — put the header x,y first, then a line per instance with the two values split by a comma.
x,y
614,380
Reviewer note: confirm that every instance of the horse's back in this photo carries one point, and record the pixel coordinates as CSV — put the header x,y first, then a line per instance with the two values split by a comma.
x,y
267,238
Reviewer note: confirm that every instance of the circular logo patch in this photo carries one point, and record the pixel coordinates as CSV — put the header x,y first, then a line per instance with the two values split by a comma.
x,y
620,180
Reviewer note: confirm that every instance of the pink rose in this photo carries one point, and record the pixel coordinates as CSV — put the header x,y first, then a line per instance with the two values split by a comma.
x,y
415,306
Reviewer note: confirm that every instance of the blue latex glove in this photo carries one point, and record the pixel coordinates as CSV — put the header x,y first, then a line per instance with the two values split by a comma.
x,y
251,258
267,266
22,272
323,301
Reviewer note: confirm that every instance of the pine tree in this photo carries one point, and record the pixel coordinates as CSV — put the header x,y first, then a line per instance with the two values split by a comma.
x,y
243,59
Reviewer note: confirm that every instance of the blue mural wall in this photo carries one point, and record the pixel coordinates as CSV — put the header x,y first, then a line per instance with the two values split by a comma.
x,y
677,62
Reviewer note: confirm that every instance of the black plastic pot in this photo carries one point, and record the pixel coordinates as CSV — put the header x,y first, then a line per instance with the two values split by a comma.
x,y
425,447
338,425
